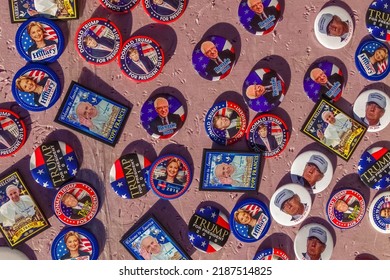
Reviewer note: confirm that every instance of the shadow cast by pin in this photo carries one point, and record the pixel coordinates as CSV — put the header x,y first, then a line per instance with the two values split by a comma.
x,y
141,147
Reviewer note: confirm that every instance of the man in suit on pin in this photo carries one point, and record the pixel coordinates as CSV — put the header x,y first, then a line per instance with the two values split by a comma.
x,y
230,123
264,18
99,47
165,7
330,86
267,142
350,211
220,61
80,208
270,88
139,64
165,123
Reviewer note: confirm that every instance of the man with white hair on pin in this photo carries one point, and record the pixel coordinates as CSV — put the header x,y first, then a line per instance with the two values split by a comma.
x,y
16,208
314,171
316,244
337,126
375,109
264,18
332,25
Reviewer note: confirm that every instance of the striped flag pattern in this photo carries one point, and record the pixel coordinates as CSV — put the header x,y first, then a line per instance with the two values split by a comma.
x,y
36,75
10,125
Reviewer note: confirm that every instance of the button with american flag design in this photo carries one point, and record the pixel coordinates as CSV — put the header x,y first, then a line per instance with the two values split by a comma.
x,y
164,11
98,41
75,243
346,208
36,87
324,79
76,204
170,176
260,17
128,176
162,115
263,90
13,133
54,163
377,19
271,254
39,40
372,59
226,122
141,58
374,168
213,58
119,6
267,134
208,229
250,220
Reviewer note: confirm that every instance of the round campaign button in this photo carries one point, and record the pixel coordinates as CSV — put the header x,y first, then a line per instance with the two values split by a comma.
x,y
250,220
267,134
98,41
164,11
141,58
170,176
379,212
377,19
54,163
346,208
119,6
313,170
209,229
324,79
370,108
313,242
333,27
39,40
372,60
162,116
290,205
258,16
13,133
225,123
271,254
263,90
374,168
75,204
127,176
11,254
213,58
75,244
36,87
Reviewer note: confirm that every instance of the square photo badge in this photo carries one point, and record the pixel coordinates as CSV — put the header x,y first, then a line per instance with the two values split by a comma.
x,y
92,114
334,129
229,171
150,241
20,216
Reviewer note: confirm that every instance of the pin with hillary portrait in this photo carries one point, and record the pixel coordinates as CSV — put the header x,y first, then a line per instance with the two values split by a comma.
x,y
213,58
372,59
324,79
39,40
208,229
263,90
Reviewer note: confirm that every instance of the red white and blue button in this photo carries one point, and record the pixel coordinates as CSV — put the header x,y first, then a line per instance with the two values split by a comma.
x,y
379,212
119,6
209,229
377,19
271,254
52,164
12,133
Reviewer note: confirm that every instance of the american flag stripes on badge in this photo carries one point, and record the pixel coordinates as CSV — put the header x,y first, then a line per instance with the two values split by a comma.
x,y
37,75
373,175
9,125
208,243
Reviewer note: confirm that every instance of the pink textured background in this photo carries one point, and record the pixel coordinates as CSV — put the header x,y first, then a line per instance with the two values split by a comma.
x,y
290,50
